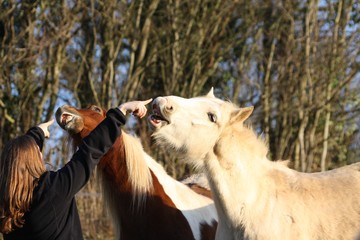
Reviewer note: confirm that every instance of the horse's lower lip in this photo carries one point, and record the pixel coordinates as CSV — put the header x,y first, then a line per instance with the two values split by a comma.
x,y
63,123
157,122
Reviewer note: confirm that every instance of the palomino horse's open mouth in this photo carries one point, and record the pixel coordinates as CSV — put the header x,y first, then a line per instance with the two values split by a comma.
x,y
157,119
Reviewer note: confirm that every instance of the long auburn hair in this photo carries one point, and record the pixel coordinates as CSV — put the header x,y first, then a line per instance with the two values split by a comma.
x,y
21,166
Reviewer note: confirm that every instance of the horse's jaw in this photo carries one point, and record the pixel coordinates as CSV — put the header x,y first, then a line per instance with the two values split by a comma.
x,y
163,137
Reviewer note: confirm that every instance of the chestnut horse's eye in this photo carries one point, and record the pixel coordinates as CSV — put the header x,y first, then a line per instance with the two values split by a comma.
x,y
96,108
212,117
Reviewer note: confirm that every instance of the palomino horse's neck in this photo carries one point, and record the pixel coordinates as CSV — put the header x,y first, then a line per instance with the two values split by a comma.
x,y
239,141
234,166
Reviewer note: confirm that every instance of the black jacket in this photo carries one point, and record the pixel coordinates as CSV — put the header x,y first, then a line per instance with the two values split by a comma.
x,y
53,213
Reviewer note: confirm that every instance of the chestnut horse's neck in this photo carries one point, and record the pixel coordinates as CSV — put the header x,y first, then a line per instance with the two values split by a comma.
x,y
133,190
125,165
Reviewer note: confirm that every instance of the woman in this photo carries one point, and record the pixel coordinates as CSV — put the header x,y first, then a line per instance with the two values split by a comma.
x,y
39,204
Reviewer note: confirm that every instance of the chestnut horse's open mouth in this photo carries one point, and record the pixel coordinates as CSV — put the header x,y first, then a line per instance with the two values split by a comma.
x,y
65,118
68,119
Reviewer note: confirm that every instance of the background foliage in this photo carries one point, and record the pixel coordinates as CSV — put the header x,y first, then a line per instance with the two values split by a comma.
x,y
297,62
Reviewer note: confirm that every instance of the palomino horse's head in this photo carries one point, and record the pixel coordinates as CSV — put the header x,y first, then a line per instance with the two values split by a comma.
x,y
79,122
193,126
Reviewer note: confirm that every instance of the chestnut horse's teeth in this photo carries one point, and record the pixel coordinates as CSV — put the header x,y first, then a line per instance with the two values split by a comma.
x,y
65,118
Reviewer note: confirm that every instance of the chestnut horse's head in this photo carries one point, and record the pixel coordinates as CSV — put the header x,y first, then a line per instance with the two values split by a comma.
x,y
79,122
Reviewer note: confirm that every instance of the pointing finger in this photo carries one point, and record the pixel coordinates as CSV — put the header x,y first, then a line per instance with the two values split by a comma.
x,y
50,122
147,101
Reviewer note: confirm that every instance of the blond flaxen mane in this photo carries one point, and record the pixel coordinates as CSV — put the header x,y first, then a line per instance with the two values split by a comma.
x,y
139,175
138,171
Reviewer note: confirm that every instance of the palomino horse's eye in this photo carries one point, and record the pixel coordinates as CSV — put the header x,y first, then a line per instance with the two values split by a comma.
x,y
212,117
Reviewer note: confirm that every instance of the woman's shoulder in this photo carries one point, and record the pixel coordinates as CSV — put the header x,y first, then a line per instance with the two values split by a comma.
x,y
44,184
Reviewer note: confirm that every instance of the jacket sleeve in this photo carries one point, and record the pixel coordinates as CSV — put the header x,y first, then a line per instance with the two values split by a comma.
x,y
38,135
75,174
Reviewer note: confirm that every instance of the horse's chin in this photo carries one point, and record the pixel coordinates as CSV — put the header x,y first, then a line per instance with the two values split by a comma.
x,y
173,144
72,131
164,139
72,127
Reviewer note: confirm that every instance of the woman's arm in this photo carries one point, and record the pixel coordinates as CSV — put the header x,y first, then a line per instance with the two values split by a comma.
x,y
40,132
74,175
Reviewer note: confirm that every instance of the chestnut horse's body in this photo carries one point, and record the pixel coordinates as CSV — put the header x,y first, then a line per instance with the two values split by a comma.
x,y
144,201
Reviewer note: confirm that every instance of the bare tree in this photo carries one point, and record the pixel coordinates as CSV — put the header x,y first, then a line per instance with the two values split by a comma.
x,y
297,62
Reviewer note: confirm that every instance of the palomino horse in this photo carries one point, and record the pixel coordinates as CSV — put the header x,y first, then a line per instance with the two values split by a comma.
x,y
144,201
256,198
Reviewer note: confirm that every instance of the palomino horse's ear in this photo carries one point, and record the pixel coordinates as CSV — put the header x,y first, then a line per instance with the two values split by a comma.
x,y
211,93
241,114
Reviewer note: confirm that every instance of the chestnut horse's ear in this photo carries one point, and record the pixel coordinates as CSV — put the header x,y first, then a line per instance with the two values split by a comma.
x,y
241,114
211,93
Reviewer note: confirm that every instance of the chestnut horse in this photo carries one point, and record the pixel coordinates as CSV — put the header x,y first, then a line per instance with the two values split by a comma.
x,y
143,200
256,198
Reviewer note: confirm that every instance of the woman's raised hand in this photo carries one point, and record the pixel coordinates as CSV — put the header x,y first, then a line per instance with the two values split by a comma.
x,y
45,127
137,108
